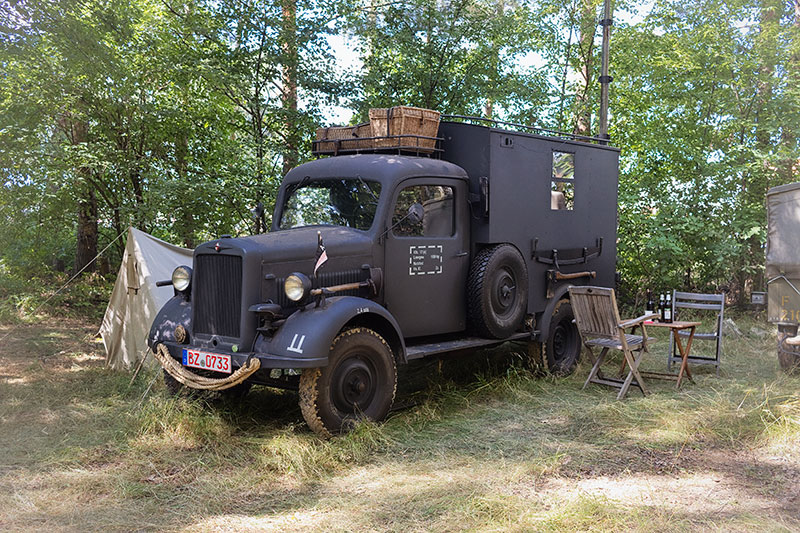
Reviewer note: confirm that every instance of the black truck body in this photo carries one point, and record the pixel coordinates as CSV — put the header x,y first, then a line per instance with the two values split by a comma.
x,y
432,254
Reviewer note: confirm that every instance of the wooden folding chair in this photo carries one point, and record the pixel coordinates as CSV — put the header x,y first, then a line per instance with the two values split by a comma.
x,y
599,324
701,303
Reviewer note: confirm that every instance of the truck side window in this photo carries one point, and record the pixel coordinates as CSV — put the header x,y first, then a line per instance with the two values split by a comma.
x,y
439,212
562,187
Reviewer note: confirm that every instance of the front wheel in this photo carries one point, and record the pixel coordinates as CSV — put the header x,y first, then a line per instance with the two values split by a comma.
x,y
563,344
359,383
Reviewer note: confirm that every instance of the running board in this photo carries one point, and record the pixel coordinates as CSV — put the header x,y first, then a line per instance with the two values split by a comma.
x,y
417,351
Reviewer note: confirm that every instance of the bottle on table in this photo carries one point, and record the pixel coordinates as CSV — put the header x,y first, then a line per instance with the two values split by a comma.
x,y
668,309
650,307
661,300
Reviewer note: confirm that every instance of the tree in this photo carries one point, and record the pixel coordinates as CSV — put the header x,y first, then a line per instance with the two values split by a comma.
x,y
698,107
271,61
453,57
101,94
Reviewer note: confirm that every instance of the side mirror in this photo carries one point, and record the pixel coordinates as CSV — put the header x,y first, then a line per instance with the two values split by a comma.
x,y
415,213
260,224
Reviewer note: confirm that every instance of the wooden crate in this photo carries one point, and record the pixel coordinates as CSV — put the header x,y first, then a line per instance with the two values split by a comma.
x,y
390,125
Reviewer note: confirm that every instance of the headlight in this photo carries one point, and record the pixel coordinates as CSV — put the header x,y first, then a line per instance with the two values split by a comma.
x,y
297,286
182,278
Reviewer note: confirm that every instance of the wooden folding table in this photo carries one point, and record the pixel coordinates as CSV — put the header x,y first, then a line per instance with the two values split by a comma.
x,y
675,327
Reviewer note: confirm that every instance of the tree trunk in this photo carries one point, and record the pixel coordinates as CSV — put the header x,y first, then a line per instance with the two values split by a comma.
x,y
138,197
77,132
588,25
494,62
86,250
185,224
790,166
758,181
289,47
766,48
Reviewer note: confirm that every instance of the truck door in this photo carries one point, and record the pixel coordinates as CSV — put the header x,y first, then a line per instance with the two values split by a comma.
x,y
427,260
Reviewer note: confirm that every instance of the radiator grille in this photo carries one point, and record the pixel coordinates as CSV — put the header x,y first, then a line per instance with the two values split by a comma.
x,y
327,279
217,294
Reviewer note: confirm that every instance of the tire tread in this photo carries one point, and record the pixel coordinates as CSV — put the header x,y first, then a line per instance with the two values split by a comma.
x,y
479,312
476,313
309,385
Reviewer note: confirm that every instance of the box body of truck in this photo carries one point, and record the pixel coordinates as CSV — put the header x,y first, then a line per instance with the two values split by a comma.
x,y
522,172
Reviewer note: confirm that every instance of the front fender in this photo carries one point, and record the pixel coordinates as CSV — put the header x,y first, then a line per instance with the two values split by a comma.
x,y
177,311
307,334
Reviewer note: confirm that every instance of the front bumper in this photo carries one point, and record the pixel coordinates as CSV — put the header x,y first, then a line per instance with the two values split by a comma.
x,y
238,359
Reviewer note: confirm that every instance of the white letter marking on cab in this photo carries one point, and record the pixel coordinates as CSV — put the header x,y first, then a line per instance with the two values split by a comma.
x,y
296,346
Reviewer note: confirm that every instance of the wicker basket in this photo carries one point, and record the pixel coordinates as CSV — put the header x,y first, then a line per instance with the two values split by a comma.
x,y
392,124
349,137
364,131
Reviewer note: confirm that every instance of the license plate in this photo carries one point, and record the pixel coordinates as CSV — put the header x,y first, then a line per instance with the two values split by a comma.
x,y
207,361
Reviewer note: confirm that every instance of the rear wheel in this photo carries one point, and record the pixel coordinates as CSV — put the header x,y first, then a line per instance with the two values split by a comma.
x,y
358,383
563,345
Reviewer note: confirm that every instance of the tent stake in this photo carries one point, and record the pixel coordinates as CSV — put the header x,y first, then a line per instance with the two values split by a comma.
x,y
139,367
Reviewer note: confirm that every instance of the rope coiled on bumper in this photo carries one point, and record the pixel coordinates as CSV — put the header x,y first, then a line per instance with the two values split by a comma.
x,y
190,379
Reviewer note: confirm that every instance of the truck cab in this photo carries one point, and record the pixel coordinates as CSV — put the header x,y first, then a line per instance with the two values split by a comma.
x,y
377,257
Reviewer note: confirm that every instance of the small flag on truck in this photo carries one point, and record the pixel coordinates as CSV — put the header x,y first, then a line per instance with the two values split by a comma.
x,y
322,255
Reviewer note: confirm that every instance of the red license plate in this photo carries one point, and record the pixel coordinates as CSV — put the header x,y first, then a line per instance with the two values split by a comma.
x,y
206,360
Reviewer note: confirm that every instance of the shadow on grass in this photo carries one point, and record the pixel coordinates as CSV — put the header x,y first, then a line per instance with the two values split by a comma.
x,y
473,425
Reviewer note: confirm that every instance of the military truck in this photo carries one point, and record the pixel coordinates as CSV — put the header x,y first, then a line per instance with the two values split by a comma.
x,y
379,256
783,271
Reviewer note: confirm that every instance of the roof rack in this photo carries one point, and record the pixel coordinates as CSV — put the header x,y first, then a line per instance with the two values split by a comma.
x,y
524,128
418,145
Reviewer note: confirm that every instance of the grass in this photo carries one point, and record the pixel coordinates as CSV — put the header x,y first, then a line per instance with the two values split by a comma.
x,y
481,444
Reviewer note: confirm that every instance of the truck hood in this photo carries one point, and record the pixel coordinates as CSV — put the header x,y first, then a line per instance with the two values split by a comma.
x,y
295,244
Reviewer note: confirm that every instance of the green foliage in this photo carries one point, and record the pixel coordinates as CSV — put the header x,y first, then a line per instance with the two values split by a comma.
x,y
173,117
700,109
455,57
178,117
26,298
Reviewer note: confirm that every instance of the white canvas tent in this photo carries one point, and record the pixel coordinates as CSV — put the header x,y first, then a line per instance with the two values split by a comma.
x,y
136,299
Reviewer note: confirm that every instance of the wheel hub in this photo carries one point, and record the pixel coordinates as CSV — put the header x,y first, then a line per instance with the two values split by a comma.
x,y
504,294
354,385
565,336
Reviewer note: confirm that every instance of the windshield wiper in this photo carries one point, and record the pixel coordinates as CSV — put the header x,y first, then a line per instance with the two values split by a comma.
x,y
364,183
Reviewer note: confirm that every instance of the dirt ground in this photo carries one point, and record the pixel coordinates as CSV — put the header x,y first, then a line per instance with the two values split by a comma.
x,y
79,452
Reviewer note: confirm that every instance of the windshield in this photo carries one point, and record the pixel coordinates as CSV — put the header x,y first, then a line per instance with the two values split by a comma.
x,y
349,202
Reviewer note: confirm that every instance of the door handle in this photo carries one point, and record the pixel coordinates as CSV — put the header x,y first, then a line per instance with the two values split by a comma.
x,y
462,254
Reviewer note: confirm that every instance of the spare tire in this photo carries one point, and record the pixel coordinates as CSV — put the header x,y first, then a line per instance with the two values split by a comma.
x,y
497,291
